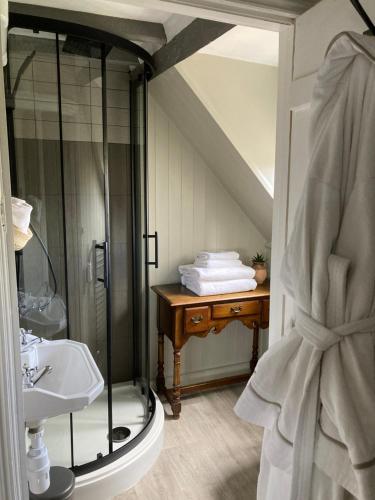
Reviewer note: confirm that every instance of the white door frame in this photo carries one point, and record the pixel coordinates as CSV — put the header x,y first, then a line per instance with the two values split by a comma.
x,y
281,187
231,11
13,482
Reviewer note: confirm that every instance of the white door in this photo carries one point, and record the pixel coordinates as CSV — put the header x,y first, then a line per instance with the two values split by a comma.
x,y
302,51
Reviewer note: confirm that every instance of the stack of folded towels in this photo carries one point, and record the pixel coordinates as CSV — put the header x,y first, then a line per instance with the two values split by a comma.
x,y
217,272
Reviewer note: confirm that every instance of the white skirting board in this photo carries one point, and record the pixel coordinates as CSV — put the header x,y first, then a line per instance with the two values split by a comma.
x,y
210,374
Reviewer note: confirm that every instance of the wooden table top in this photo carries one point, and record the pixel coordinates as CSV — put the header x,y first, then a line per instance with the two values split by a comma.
x,y
178,295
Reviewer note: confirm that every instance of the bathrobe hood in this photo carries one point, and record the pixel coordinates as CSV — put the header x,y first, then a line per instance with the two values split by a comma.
x,y
315,389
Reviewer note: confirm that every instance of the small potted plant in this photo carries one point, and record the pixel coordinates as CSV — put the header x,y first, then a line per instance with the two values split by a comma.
x,y
259,264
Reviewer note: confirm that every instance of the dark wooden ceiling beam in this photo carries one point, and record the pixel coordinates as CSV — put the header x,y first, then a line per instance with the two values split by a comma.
x,y
196,35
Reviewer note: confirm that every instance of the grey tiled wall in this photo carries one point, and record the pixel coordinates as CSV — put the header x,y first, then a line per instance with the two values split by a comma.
x,y
36,112
121,260
36,121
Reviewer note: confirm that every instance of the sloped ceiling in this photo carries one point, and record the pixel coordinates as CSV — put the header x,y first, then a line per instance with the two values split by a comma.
x,y
191,117
246,44
242,98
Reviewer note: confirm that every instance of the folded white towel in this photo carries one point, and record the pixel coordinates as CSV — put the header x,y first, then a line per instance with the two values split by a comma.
x,y
218,256
219,287
211,263
217,274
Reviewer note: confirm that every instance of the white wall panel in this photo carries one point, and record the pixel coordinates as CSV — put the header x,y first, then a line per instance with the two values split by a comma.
x,y
192,210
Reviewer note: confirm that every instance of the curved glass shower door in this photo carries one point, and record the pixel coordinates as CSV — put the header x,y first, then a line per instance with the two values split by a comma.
x,y
141,238
77,128
86,193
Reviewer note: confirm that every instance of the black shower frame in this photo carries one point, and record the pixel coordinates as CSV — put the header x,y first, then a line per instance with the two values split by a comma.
x,y
56,26
107,41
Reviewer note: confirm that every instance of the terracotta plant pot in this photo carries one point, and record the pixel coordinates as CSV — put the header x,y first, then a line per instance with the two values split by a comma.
x,y
260,272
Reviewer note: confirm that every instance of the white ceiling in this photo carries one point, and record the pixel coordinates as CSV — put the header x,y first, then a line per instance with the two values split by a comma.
x,y
247,44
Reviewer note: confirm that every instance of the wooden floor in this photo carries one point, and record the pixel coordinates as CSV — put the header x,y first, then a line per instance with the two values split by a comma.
x,y
209,454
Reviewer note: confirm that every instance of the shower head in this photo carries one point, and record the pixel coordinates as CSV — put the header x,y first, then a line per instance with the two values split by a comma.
x,y
83,47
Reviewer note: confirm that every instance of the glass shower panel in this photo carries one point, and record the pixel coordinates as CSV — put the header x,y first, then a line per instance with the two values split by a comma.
x,y
37,179
36,171
141,238
129,397
76,111
80,78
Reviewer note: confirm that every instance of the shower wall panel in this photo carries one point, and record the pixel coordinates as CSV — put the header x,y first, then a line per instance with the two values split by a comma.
x,y
120,205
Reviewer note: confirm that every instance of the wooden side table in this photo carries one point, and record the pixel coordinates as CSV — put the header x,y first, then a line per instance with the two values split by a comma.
x,y
182,314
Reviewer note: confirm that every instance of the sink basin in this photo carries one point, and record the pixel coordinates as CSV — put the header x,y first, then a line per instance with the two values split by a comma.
x,y
74,382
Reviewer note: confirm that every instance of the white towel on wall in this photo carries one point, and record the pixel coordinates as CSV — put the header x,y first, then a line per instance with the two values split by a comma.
x,y
217,263
217,274
218,287
21,212
218,255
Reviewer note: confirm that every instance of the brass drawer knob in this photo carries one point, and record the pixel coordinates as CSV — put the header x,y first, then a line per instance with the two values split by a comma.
x,y
197,319
236,309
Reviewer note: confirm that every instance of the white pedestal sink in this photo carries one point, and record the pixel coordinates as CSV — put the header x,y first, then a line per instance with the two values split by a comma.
x,y
73,383
59,377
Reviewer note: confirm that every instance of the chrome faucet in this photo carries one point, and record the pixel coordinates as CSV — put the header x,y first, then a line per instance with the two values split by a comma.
x,y
32,375
23,334
27,374
40,373
28,339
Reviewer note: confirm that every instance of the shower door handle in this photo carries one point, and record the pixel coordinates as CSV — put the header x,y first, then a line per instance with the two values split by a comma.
x,y
105,247
156,238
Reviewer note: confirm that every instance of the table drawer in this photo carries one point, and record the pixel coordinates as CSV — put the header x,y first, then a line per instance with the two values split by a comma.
x,y
232,309
196,319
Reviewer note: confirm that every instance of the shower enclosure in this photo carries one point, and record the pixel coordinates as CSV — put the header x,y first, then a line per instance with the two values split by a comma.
x,y
76,109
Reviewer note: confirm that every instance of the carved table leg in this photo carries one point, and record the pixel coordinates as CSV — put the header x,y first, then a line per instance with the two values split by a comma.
x,y
176,393
254,359
160,379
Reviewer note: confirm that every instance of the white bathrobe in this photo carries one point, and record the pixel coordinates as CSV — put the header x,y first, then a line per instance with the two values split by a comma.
x,y
314,391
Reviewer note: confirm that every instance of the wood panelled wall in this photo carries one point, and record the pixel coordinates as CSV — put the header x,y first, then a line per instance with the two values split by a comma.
x,y
192,211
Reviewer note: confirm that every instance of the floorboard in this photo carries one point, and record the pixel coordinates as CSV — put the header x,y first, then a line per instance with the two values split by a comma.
x,y
209,454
